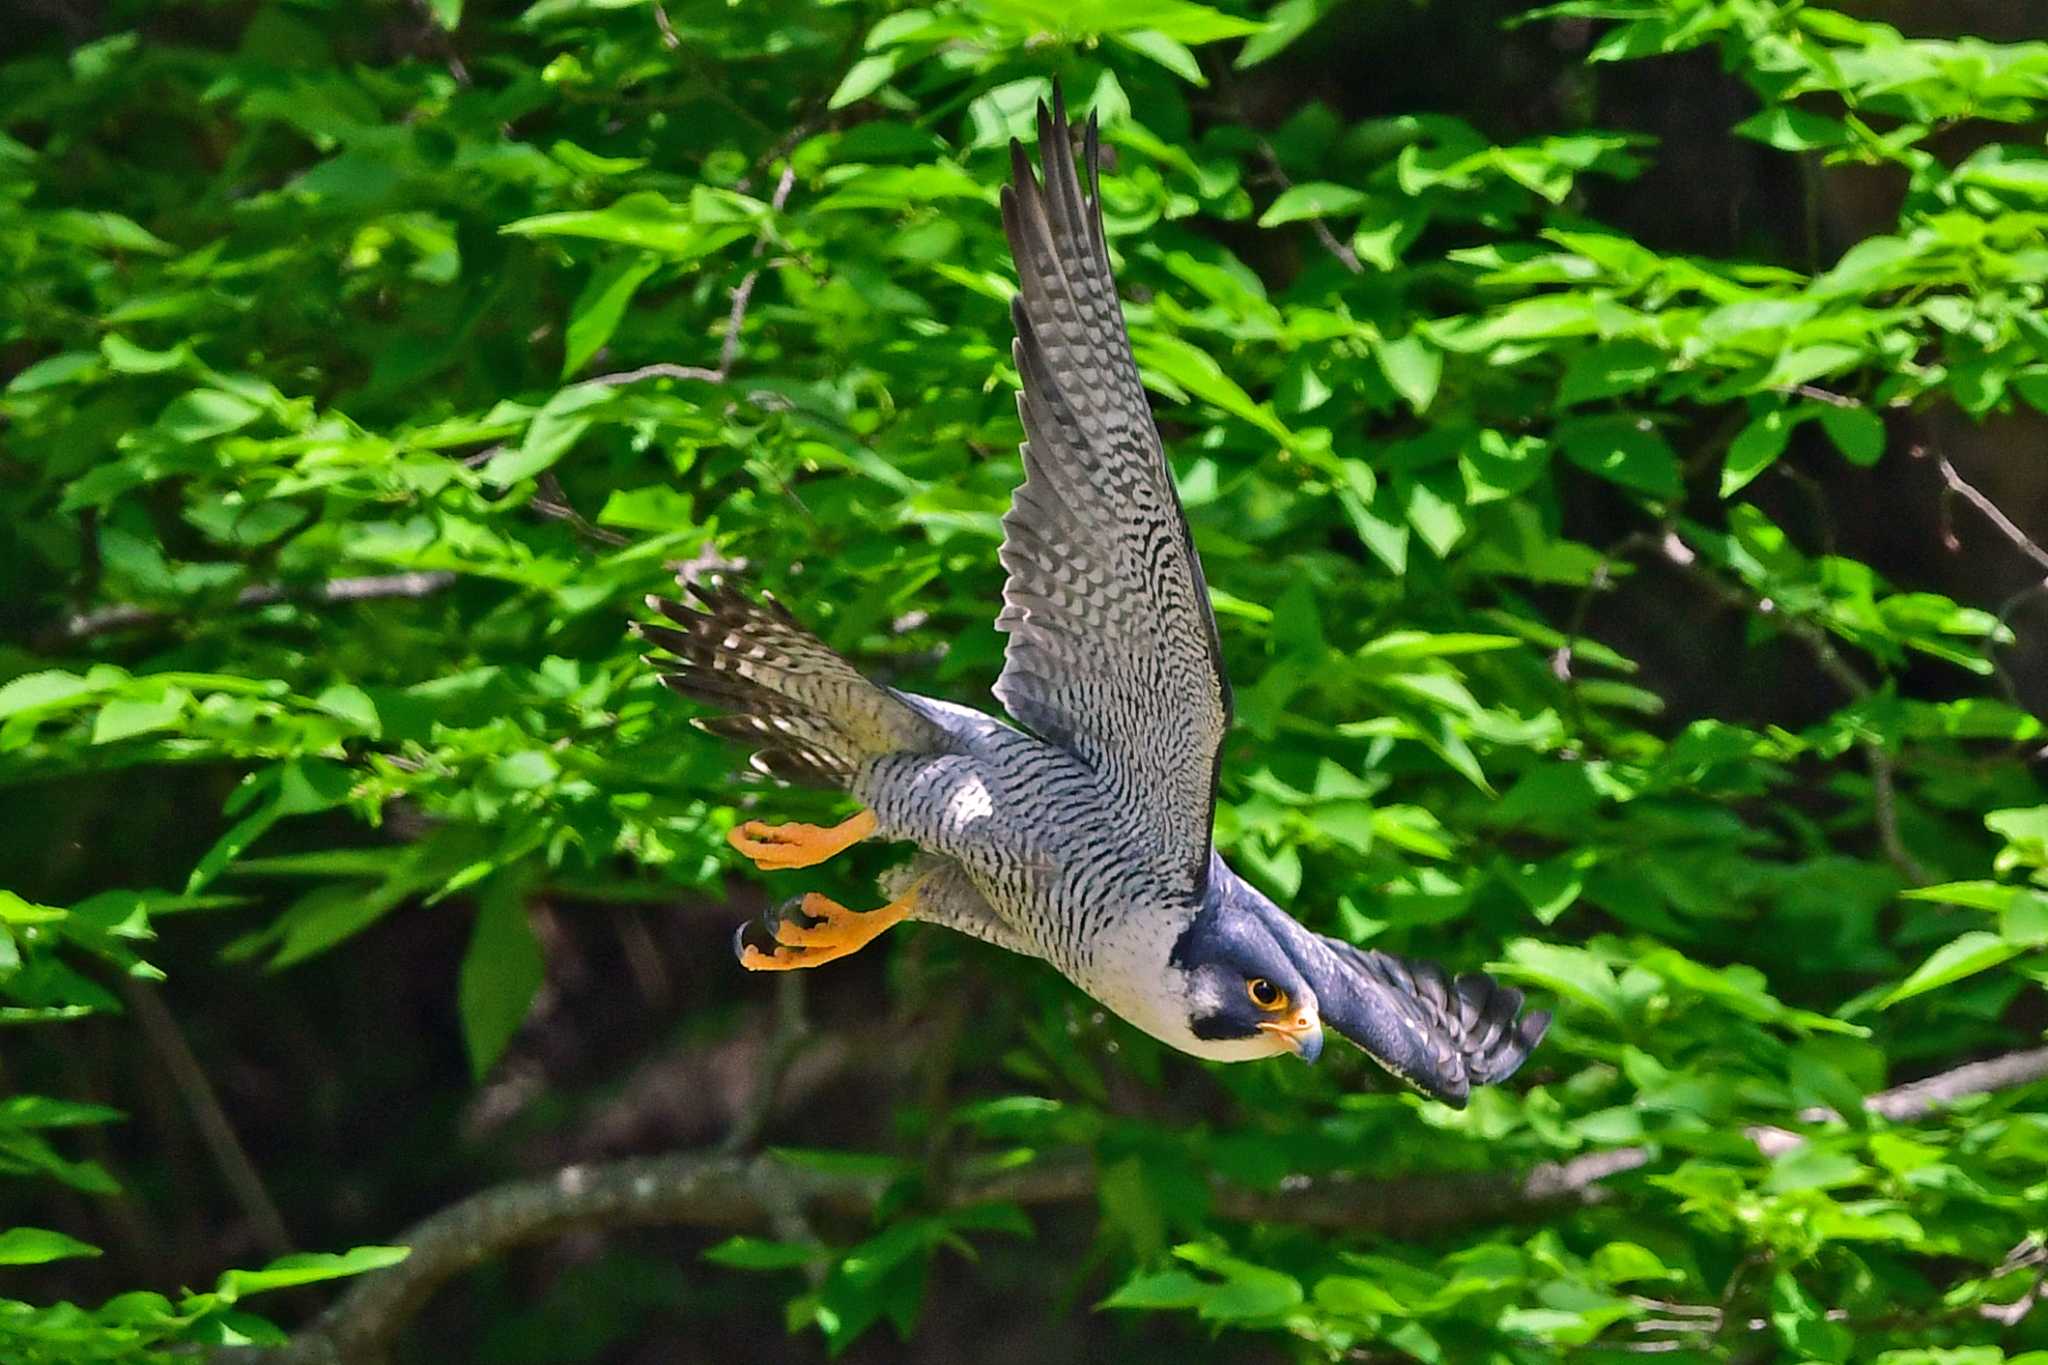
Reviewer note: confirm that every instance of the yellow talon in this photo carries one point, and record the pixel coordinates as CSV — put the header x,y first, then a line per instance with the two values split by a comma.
x,y
775,848
833,932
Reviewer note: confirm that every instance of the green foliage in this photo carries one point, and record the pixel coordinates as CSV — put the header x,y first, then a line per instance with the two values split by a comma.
x,y
151,1327
340,454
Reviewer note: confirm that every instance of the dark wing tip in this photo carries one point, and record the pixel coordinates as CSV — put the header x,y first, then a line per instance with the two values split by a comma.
x,y
1020,172
1495,1040
1440,1035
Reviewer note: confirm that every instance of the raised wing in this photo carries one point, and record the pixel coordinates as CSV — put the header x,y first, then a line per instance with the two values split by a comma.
x,y
1442,1036
1113,652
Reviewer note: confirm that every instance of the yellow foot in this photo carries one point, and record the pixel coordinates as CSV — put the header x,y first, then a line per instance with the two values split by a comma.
x,y
833,931
776,847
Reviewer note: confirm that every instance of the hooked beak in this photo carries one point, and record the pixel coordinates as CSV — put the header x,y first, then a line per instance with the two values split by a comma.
x,y
1303,1033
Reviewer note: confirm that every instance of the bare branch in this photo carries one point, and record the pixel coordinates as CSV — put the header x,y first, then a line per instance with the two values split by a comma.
x,y
1819,395
203,1101
107,620
1916,1098
550,501
792,1030
659,370
730,1191
1968,492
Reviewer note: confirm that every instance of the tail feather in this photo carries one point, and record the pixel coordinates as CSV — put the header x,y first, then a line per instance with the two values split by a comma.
x,y
812,714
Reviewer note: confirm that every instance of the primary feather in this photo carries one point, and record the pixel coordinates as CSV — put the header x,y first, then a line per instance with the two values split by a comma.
x,y
1113,653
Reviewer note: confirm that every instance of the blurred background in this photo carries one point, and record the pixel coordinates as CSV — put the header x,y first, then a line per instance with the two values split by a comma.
x,y
1588,422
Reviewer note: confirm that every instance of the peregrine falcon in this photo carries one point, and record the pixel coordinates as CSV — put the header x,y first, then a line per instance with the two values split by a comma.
x,y
1080,834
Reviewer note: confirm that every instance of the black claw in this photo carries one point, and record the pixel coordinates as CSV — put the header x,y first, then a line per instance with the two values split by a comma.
x,y
758,934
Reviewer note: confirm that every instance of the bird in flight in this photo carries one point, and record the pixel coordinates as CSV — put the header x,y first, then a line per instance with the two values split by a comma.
x,y
1081,833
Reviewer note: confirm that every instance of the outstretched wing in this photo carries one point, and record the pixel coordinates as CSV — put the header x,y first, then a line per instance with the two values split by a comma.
x,y
1440,1035
1113,652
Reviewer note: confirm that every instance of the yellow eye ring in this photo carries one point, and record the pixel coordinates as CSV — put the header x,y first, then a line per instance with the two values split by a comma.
x,y
1265,994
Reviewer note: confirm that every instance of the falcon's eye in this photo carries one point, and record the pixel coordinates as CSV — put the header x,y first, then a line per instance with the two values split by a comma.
x,y
1265,994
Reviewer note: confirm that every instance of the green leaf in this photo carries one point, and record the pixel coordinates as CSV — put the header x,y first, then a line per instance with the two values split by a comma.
x,y
1381,527
106,230
1193,370
50,690
65,368
1755,448
1182,20
204,414
1626,450
525,770
124,718
755,1253
1286,23
1857,432
1317,199
1166,1289
1413,367
1965,955
35,1246
864,77
1164,49
1794,130
656,507
1610,369
644,219
125,357
501,973
597,310
554,431
287,1272
344,701
1572,972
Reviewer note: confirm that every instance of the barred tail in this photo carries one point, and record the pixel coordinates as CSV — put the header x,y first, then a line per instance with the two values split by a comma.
x,y
814,716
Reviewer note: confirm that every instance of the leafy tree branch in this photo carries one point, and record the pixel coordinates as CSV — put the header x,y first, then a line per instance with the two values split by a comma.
x,y
749,1193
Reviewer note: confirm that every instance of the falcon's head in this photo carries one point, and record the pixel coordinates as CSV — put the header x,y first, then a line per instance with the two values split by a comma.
x,y
1244,995
1254,982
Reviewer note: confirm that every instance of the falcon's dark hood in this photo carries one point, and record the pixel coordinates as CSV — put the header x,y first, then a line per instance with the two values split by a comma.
x,y
1441,1035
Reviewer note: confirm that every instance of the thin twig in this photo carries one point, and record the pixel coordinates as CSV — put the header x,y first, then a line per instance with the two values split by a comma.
x,y
1991,511
1884,814
659,370
792,1031
1819,395
203,1101
371,587
1564,658
550,501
